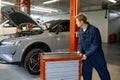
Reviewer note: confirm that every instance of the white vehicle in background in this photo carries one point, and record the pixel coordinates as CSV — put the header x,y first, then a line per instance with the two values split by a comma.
x,y
6,29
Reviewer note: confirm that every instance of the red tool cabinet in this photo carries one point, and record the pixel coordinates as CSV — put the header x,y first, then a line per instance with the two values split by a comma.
x,y
60,66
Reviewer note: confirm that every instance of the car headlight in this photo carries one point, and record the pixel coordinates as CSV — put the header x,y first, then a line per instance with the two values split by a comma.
x,y
10,43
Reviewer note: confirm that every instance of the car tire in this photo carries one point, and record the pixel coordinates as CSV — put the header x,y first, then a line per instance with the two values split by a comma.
x,y
32,61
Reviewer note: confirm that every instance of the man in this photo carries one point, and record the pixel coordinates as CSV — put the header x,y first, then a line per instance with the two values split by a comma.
x,y
89,46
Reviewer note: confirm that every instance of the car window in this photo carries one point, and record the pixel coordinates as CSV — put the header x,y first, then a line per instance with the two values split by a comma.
x,y
64,26
50,24
61,25
44,26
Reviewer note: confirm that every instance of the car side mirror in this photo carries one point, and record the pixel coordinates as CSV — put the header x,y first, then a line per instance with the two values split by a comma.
x,y
59,29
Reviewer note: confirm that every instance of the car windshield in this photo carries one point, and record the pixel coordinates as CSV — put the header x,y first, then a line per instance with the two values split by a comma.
x,y
43,25
51,23
54,25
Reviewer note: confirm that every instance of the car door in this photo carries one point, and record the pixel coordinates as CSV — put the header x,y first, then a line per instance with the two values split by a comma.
x,y
61,36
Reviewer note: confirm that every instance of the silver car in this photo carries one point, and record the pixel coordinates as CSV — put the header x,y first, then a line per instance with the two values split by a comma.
x,y
25,46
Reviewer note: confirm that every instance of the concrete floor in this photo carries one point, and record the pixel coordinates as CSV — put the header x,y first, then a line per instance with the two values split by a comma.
x,y
112,54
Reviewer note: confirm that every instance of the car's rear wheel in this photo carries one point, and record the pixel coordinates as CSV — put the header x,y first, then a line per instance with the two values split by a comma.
x,y
32,61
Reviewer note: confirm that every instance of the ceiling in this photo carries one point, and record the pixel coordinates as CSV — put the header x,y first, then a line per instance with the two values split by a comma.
x,y
64,5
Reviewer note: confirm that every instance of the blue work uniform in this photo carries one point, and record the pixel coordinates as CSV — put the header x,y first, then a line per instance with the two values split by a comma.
x,y
90,44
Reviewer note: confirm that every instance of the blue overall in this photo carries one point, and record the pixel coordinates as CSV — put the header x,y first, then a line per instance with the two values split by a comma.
x,y
90,44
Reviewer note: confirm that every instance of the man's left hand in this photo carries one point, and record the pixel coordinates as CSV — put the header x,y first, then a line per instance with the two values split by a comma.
x,y
84,57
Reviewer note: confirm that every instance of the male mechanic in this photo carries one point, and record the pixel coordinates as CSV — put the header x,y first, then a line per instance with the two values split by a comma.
x,y
89,46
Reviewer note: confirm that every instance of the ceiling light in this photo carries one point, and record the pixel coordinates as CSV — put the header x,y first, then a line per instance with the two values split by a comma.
x,y
40,10
34,8
34,16
50,1
6,3
113,1
43,9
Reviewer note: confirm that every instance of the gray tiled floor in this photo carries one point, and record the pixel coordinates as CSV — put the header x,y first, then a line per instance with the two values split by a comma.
x,y
112,54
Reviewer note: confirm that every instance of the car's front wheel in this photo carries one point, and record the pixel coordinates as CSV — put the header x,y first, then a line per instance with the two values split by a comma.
x,y
32,61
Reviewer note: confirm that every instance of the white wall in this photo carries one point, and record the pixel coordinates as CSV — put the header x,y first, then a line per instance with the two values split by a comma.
x,y
97,18
114,25
8,30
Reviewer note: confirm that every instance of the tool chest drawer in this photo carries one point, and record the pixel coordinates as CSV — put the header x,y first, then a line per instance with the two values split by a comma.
x,y
60,67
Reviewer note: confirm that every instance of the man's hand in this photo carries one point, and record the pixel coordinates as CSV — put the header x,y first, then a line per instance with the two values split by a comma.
x,y
84,57
79,53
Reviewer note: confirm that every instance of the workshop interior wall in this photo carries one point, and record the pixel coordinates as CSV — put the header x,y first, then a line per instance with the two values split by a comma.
x,y
98,19
114,25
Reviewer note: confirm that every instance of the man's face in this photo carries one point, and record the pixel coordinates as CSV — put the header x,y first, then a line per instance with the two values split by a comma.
x,y
79,23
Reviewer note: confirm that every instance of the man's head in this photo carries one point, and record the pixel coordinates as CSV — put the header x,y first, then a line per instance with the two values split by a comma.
x,y
81,19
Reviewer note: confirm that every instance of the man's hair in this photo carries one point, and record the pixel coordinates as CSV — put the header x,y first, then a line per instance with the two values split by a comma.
x,y
81,17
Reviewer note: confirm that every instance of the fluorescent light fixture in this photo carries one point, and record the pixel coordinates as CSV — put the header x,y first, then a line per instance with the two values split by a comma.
x,y
4,3
43,9
7,3
34,8
40,10
113,1
34,16
50,1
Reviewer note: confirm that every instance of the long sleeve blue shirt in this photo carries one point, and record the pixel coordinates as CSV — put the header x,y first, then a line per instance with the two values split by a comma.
x,y
89,42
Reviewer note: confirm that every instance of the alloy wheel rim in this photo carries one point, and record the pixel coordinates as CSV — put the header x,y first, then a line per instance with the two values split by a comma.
x,y
34,63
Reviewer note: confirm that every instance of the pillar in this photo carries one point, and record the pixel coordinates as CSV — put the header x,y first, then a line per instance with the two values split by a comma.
x,y
74,9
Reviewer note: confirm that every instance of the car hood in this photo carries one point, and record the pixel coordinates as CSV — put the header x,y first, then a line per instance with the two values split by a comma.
x,y
10,37
17,17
